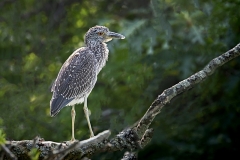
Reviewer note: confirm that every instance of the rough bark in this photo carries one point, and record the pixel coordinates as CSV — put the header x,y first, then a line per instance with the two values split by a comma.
x,y
132,139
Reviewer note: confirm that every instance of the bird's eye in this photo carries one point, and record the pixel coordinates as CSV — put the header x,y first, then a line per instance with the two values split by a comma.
x,y
100,33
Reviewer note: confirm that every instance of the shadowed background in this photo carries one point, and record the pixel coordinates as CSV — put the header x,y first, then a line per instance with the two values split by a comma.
x,y
166,41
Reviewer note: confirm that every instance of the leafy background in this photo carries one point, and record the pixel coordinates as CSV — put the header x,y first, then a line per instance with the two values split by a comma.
x,y
166,41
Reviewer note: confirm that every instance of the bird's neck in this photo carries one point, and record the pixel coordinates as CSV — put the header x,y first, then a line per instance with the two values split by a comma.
x,y
100,51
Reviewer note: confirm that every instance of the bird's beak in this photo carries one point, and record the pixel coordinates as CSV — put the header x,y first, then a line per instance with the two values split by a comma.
x,y
111,35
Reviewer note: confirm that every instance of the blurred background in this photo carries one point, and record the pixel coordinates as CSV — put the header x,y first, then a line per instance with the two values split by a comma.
x,y
166,42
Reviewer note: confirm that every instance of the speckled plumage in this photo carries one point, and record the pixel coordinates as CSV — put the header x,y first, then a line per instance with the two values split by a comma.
x,y
78,74
75,80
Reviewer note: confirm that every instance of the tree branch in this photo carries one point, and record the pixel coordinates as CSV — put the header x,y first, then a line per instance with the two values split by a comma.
x,y
8,152
131,139
183,86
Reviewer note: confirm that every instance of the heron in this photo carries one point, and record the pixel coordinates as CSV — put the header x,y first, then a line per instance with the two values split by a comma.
x,y
78,75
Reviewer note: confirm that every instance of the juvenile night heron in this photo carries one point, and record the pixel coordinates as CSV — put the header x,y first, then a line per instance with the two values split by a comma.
x,y
78,74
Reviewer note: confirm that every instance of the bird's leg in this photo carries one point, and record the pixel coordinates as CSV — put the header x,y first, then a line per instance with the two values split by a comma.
x,y
73,113
87,116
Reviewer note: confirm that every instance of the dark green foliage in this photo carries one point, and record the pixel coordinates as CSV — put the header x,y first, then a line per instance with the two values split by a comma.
x,y
166,41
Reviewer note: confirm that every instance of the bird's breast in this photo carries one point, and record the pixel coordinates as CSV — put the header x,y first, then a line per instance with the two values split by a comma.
x,y
76,101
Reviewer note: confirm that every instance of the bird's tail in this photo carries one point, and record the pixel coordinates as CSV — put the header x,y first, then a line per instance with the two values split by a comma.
x,y
56,104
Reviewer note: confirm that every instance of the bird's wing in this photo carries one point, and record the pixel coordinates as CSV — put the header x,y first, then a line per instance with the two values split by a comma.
x,y
75,79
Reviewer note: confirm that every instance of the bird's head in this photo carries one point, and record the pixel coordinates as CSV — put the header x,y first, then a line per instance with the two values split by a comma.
x,y
100,34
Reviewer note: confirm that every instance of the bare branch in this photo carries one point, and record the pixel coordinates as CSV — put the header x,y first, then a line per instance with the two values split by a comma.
x,y
146,138
129,156
8,152
183,86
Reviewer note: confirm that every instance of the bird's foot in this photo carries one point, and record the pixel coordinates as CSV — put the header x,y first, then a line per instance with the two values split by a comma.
x,y
73,139
92,135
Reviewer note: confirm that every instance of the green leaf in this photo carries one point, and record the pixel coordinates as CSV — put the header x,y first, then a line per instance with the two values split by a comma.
x,y
2,137
34,154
